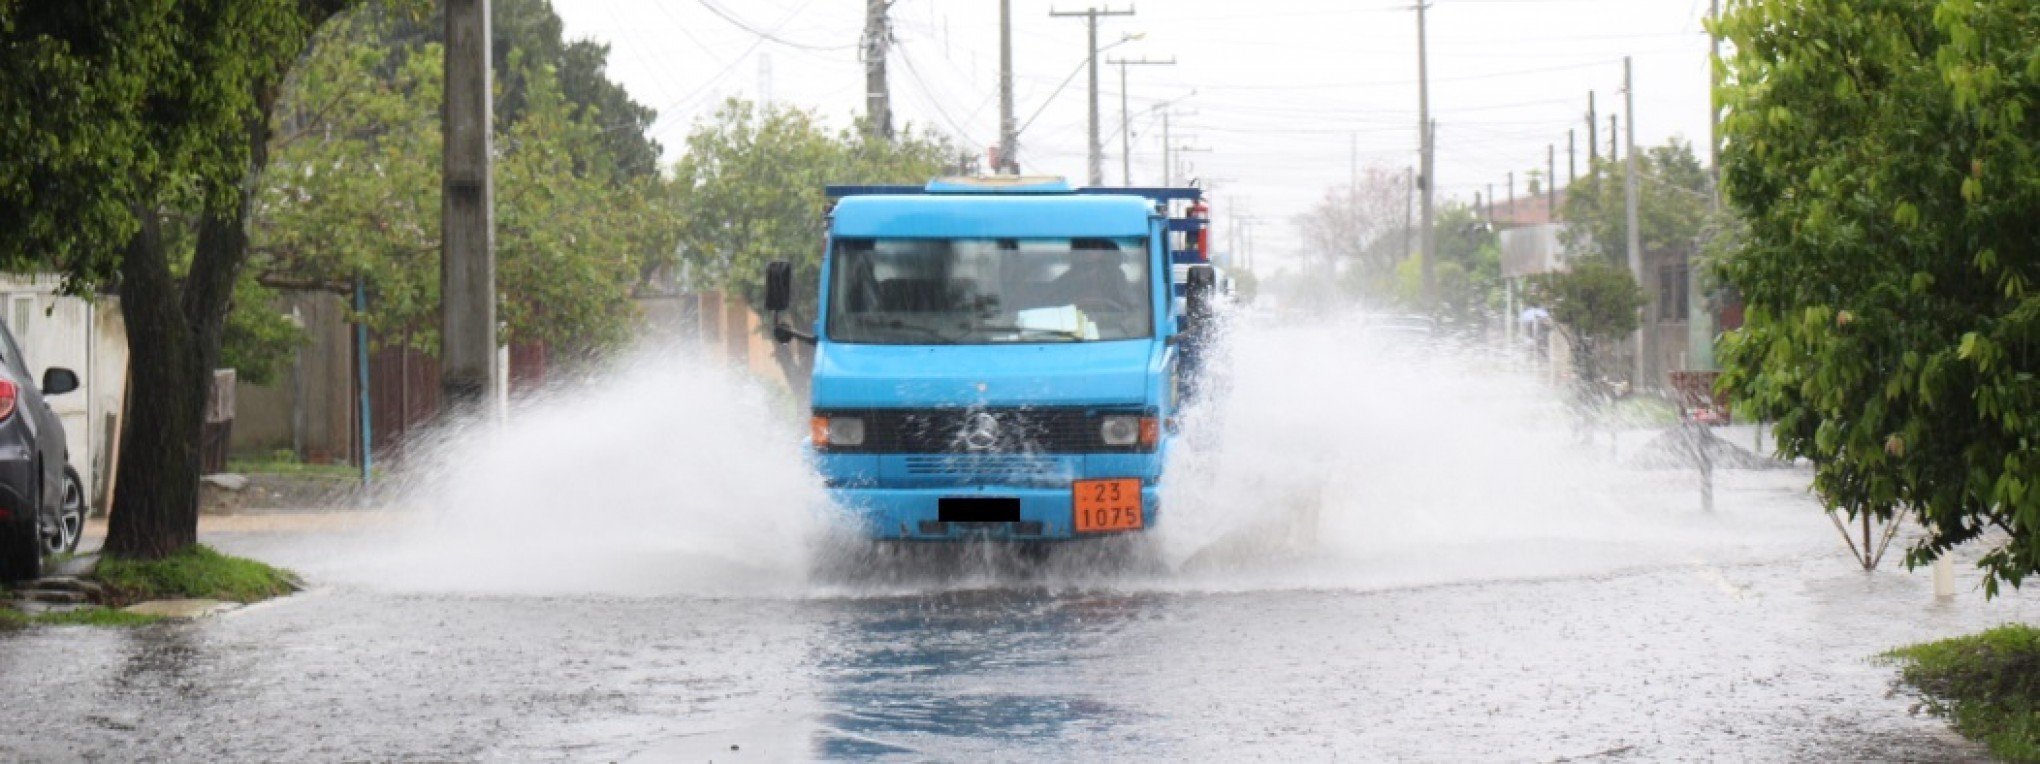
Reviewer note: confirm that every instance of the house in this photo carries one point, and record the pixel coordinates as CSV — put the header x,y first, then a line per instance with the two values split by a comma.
x,y
1531,236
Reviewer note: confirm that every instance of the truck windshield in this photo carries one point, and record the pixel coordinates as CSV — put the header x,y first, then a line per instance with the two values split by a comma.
x,y
983,291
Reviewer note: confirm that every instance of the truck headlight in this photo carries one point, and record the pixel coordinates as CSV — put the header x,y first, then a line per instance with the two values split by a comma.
x,y
1129,430
828,431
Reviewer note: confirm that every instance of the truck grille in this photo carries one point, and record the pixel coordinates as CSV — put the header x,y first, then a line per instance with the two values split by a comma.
x,y
1004,465
1013,432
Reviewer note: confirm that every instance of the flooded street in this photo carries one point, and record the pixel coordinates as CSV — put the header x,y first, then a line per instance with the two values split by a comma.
x,y
1466,581
1688,659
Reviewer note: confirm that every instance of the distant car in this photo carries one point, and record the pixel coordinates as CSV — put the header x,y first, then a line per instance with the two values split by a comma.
x,y
1413,330
42,501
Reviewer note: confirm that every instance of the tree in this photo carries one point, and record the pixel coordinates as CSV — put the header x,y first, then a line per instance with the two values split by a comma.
x,y
1883,155
357,193
131,124
750,190
1361,228
1672,205
1593,302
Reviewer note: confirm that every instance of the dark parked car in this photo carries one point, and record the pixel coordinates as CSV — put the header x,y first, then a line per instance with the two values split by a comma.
x,y
42,501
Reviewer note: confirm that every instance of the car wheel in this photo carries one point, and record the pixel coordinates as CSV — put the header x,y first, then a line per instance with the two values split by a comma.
x,y
70,525
21,550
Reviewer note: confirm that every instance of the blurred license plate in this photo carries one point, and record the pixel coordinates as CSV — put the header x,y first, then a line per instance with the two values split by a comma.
x,y
1107,505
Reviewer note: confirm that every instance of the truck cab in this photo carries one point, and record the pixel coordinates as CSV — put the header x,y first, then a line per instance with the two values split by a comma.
x,y
1001,358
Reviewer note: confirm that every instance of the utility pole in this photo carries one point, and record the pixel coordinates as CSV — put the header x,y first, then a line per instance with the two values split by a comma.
x,y
1491,205
1572,158
1699,319
1009,138
1125,123
877,97
1426,137
1550,183
468,369
1593,140
1090,16
1646,333
1512,196
1613,135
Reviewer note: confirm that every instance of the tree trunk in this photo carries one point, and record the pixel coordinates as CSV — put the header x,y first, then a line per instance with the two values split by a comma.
x,y
173,335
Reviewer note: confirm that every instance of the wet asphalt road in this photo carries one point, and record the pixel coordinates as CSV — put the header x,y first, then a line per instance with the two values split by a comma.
x,y
1761,658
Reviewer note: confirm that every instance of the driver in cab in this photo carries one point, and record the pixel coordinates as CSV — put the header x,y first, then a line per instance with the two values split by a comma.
x,y
1095,280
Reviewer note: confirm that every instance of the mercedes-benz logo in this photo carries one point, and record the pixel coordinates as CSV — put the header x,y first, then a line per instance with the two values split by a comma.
x,y
980,432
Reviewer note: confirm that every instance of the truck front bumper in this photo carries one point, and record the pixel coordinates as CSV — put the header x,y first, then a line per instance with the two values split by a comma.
x,y
916,514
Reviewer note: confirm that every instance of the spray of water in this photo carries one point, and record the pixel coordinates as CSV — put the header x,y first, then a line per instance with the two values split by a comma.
x,y
1325,454
666,474
1336,454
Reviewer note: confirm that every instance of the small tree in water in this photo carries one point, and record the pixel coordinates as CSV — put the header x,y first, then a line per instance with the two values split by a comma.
x,y
1592,304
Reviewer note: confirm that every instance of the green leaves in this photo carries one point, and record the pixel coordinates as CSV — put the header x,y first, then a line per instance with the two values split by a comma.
x,y
750,190
1899,193
1594,300
354,190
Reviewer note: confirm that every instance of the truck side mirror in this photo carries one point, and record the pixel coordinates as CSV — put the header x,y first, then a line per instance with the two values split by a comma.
x,y
1198,288
778,286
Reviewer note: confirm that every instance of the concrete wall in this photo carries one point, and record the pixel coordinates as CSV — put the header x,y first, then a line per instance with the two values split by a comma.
x,y
269,418
86,336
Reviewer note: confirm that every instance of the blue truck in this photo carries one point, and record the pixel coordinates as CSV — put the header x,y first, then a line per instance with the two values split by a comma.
x,y
1002,358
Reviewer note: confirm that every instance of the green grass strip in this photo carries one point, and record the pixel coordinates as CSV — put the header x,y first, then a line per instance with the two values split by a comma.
x,y
194,572
1986,684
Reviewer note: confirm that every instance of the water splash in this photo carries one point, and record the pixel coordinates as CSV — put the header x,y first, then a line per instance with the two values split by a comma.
x,y
666,474
1333,454
1325,455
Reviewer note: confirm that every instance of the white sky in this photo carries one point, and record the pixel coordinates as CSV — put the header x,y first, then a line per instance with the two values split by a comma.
x,y
1282,88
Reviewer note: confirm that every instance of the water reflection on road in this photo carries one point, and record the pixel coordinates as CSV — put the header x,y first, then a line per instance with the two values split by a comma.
x,y
1757,660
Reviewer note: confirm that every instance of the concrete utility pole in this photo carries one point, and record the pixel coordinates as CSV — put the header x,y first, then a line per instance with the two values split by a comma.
x,y
1550,183
1614,135
1572,157
1126,123
877,97
1091,16
1426,137
1009,138
1646,334
1593,128
1700,320
468,368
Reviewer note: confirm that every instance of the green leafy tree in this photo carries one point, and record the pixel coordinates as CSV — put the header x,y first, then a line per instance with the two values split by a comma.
x,y
750,190
358,195
1468,272
1885,154
1594,303
1672,204
130,124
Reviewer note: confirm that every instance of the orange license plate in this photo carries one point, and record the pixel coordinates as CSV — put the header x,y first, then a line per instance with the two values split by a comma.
x,y
1107,505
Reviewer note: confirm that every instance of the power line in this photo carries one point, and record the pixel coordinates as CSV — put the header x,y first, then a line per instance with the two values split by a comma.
x,y
771,35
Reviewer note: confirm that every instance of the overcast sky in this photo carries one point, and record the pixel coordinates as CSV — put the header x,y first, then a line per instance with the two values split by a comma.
x,y
1281,92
